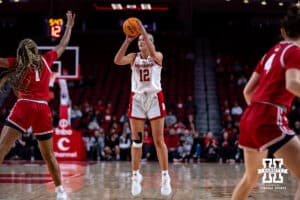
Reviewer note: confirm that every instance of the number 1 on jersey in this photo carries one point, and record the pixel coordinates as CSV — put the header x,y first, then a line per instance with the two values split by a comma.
x,y
144,75
37,76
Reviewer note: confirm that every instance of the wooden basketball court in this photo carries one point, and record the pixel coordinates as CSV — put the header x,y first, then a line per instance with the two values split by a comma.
x,y
112,180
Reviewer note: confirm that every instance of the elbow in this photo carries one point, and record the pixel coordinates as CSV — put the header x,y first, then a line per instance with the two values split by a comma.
x,y
246,92
117,61
247,96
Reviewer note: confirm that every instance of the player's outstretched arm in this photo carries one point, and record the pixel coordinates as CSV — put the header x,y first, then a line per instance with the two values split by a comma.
x,y
157,56
60,48
4,63
120,57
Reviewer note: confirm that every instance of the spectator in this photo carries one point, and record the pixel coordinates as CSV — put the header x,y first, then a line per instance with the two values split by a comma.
x,y
170,119
107,119
112,148
76,112
93,124
100,107
196,148
126,128
236,110
187,136
186,142
226,153
147,146
184,150
211,147
125,144
124,118
173,144
115,128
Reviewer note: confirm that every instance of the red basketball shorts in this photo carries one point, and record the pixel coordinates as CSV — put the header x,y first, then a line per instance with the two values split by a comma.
x,y
146,105
263,125
31,113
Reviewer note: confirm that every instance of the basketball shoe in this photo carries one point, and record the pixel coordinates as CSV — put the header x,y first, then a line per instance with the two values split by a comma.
x,y
136,184
61,194
165,185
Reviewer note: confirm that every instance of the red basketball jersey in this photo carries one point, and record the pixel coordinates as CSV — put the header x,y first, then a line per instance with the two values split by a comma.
x,y
272,67
37,84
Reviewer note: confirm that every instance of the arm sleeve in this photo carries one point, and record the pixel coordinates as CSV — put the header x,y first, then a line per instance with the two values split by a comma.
x,y
292,59
50,57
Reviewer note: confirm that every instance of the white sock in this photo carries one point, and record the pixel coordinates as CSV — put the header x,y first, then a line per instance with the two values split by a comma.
x,y
59,188
164,172
134,172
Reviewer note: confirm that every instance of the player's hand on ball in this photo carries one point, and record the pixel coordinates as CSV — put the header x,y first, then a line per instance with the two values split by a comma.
x,y
140,26
129,38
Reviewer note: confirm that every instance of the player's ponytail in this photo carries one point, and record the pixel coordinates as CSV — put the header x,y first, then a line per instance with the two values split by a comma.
x,y
26,59
291,22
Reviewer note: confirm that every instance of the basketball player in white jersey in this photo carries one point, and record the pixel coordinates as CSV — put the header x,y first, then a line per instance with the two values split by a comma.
x,y
146,101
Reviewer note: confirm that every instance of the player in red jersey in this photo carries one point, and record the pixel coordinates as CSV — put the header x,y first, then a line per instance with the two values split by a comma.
x,y
269,94
29,73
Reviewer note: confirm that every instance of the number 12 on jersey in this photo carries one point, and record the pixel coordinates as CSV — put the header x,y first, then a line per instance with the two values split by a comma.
x,y
144,75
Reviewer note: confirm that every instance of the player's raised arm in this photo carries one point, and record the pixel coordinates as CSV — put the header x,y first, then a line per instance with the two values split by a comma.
x,y
157,56
120,57
60,48
4,63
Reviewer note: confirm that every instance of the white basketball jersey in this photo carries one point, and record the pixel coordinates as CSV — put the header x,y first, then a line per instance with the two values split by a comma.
x,y
145,76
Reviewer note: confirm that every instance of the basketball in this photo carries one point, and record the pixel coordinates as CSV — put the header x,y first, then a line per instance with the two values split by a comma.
x,y
130,27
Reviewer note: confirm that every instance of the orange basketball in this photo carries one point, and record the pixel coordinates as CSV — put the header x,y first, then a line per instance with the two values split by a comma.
x,y
129,27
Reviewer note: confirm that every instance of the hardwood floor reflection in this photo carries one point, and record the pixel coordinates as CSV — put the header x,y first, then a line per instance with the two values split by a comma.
x,y
112,181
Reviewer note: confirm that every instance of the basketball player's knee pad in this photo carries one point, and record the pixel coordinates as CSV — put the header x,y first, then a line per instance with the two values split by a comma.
x,y
138,143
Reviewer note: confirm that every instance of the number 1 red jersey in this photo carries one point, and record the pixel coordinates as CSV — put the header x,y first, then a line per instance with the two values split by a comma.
x,y
37,84
272,67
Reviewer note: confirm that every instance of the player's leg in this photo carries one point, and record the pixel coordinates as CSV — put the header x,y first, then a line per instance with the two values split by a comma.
x,y
137,129
42,128
253,162
157,126
46,147
7,139
290,152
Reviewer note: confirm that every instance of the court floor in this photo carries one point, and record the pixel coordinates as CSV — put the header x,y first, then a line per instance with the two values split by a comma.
x,y
111,180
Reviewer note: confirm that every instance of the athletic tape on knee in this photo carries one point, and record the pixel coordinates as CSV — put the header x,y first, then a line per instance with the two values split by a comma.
x,y
138,143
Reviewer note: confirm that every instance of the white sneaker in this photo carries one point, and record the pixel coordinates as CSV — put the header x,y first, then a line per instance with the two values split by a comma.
x,y
136,186
61,195
165,185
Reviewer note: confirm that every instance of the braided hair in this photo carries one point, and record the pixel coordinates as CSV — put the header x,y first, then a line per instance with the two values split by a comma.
x,y
27,59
